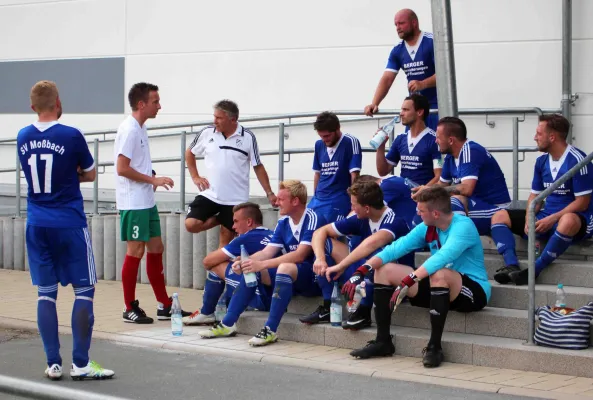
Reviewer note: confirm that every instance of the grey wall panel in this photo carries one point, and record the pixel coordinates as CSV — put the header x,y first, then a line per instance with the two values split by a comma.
x,y
87,86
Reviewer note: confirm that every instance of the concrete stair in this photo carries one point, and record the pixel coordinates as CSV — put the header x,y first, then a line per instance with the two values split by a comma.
x,y
493,337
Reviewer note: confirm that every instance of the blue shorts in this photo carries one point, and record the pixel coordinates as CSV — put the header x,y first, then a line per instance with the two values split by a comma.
x,y
481,214
305,284
63,255
518,225
332,210
263,293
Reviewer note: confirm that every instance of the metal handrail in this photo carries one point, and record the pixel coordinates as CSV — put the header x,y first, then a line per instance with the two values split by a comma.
x,y
43,391
531,239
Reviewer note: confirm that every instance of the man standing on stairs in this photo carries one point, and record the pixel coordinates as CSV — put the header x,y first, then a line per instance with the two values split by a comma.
x,y
134,191
376,225
291,272
229,150
415,56
452,278
566,217
337,162
55,158
247,222
470,174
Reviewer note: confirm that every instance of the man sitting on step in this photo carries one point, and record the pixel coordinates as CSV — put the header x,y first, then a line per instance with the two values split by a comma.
x,y
247,221
566,217
294,272
453,277
377,225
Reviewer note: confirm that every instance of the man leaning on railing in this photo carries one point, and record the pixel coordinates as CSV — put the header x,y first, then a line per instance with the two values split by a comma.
x,y
566,217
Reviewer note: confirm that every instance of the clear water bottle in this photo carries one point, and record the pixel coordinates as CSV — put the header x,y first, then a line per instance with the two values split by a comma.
x,y
176,322
335,309
538,249
384,133
359,294
410,183
220,310
251,277
560,297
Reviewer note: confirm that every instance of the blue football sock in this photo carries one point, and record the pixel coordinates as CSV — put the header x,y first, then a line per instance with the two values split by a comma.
x,y
47,321
83,320
280,299
326,287
239,302
505,243
231,281
557,245
213,289
457,206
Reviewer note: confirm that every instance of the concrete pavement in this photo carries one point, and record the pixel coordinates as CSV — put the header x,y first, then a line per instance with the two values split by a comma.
x,y
18,310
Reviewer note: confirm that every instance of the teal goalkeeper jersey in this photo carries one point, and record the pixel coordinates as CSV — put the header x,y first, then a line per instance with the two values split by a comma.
x,y
458,248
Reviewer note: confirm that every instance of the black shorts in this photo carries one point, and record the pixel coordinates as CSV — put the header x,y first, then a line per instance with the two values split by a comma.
x,y
471,298
203,208
518,220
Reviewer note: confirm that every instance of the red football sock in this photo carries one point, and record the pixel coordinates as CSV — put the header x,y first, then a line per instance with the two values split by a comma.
x,y
129,275
154,270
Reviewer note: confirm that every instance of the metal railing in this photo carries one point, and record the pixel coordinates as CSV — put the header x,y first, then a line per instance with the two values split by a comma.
x,y
42,391
531,238
284,121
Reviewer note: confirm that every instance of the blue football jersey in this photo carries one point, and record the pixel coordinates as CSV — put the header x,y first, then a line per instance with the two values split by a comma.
x,y
547,171
253,240
475,162
418,156
418,64
363,228
50,154
335,165
398,196
288,236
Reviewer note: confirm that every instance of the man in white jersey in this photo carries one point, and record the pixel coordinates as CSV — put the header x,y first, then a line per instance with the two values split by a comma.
x,y
134,189
228,150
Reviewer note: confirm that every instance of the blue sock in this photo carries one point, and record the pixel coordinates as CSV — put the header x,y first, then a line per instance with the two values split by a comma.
x,y
47,321
231,281
213,289
505,243
370,289
239,302
457,206
83,320
326,287
557,245
280,299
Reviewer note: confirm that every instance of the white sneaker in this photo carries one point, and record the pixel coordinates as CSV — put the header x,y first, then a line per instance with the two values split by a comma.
x,y
54,372
219,330
91,371
264,337
199,319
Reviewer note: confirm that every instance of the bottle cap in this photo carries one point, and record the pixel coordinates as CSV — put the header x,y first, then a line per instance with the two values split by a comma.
x,y
560,286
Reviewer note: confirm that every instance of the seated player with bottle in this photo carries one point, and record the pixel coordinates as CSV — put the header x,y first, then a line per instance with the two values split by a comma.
x,y
247,221
377,225
566,217
292,272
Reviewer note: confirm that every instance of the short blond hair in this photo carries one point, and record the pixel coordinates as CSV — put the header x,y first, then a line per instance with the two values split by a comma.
x,y
296,189
44,95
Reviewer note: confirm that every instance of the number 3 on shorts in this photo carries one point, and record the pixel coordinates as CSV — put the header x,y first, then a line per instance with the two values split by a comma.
x,y
135,232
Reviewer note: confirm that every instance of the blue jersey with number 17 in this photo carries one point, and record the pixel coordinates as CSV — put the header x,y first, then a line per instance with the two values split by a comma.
x,y
50,154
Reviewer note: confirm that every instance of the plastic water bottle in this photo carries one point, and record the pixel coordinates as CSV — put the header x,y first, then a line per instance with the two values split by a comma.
x,y
384,133
251,277
335,309
359,294
410,183
538,248
220,310
176,322
560,297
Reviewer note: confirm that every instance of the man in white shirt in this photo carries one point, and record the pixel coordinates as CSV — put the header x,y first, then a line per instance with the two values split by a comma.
x,y
134,189
228,150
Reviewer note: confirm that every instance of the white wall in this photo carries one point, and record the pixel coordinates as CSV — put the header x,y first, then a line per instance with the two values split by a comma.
x,y
281,57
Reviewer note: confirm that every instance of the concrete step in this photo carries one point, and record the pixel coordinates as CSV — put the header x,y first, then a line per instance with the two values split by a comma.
x,y
488,351
517,297
580,251
568,272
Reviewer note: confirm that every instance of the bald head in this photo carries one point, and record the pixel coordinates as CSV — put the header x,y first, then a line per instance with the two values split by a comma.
x,y
406,24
